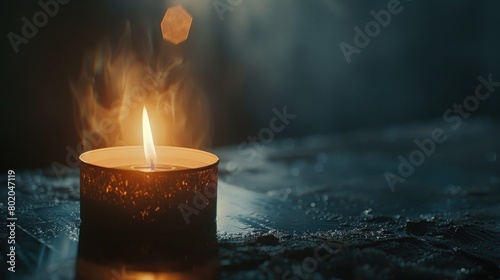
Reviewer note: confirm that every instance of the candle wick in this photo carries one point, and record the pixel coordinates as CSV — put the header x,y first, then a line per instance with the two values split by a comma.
x,y
152,164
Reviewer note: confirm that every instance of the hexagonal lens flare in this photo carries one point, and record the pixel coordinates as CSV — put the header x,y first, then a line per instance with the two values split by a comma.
x,y
176,24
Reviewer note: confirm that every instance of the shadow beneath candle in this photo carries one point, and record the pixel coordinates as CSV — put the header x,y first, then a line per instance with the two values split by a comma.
x,y
118,255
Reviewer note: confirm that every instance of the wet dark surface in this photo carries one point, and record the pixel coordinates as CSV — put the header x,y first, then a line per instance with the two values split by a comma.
x,y
313,208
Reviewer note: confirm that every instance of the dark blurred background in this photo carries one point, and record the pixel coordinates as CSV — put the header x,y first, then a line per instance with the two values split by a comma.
x,y
256,56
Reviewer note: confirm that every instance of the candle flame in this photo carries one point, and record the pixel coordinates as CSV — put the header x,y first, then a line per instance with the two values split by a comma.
x,y
147,137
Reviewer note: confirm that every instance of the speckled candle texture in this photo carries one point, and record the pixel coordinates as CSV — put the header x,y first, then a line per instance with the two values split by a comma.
x,y
148,201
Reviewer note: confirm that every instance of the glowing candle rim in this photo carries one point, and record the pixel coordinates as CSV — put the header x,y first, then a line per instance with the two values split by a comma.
x,y
191,159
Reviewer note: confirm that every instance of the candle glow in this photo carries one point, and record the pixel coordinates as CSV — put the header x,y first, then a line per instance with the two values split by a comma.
x,y
147,137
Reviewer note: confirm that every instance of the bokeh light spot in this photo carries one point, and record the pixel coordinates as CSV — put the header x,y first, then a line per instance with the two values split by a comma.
x,y
176,24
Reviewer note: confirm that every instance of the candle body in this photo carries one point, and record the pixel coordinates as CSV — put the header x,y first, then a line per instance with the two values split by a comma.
x,y
133,200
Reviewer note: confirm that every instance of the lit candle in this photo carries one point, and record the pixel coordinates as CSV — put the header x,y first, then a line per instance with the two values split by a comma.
x,y
148,188
147,138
